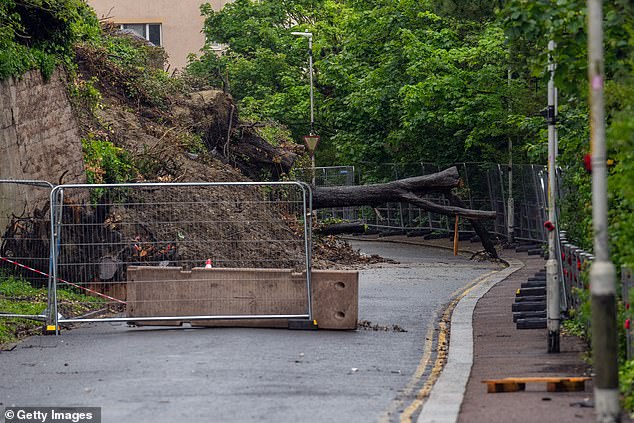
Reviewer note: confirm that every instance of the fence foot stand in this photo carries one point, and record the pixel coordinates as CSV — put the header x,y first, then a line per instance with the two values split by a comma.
x,y
50,330
302,324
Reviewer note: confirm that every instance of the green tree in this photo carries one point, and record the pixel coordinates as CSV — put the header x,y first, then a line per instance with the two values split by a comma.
x,y
395,81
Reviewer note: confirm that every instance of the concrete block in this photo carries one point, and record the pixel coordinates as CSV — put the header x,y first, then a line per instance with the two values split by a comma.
x,y
535,323
533,284
531,291
335,298
537,278
170,291
528,306
528,315
530,298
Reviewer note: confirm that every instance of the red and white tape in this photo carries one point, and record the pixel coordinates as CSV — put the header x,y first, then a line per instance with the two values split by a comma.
x,y
92,291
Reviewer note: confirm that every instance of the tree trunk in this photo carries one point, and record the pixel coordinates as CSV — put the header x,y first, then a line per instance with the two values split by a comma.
x,y
342,228
409,190
478,227
252,155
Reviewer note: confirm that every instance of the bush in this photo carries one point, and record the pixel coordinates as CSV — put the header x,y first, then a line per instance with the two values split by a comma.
x,y
626,380
105,163
39,34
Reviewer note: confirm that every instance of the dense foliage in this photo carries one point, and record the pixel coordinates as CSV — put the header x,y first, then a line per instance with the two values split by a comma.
x,y
438,80
526,22
394,80
39,34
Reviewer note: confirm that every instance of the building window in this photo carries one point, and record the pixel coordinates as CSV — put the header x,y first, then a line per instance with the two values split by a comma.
x,y
151,32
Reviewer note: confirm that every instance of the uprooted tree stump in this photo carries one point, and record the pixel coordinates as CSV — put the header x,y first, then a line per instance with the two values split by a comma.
x,y
410,190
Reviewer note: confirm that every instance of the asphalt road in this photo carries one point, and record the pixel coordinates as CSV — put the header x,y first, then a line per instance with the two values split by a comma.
x,y
246,375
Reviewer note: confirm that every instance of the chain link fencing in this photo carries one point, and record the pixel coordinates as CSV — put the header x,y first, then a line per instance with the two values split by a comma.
x,y
102,233
329,177
576,263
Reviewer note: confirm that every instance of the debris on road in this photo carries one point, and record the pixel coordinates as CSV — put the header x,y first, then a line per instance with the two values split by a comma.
x,y
367,325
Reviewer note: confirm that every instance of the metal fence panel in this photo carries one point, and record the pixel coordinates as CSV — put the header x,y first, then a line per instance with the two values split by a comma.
x,y
328,177
485,187
24,248
184,225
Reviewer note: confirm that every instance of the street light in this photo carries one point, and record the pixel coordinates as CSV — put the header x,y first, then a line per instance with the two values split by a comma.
x,y
309,35
311,140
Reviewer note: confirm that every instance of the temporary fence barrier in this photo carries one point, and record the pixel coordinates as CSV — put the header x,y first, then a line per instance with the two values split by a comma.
x,y
530,190
328,177
243,230
485,187
24,247
575,261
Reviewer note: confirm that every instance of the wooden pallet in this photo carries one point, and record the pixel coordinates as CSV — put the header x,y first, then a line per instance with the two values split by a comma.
x,y
553,384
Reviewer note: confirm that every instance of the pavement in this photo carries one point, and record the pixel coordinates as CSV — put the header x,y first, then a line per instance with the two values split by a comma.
x,y
163,375
501,351
484,344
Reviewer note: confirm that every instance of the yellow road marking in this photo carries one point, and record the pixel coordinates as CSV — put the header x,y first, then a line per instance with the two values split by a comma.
x,y
424,362
427,354
406,416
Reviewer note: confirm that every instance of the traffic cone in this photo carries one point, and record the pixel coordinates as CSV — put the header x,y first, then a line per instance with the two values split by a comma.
x,y
208,264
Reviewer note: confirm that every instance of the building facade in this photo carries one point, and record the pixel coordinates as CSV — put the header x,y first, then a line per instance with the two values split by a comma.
x,y
174,25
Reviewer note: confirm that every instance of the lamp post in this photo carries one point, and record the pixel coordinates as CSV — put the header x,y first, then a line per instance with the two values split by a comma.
x,y
312,140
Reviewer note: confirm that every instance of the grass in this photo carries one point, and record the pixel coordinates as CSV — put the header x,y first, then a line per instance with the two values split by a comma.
x,y
626,379
17,296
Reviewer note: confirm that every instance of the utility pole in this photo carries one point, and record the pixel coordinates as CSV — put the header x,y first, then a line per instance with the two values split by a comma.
x,y
553,310
602,272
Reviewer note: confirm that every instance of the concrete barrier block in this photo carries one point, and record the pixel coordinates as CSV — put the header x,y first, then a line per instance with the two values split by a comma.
x,y
170,291
335,298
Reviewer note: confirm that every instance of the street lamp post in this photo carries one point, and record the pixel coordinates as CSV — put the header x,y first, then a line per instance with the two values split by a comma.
x,y
309,35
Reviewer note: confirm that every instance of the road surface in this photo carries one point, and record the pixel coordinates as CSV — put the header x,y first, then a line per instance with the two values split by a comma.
x,y
245,375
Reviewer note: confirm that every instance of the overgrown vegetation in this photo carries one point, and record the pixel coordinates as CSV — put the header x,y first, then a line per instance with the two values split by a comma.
x,y
17,296
40,34
530,21
13,295
106,163
626,380
134,68
393,79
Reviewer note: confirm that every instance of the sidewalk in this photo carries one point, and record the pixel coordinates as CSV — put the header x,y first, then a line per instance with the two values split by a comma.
x,y
501,350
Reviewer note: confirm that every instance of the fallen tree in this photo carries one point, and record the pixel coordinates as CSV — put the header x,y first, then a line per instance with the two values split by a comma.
x,y
410,190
